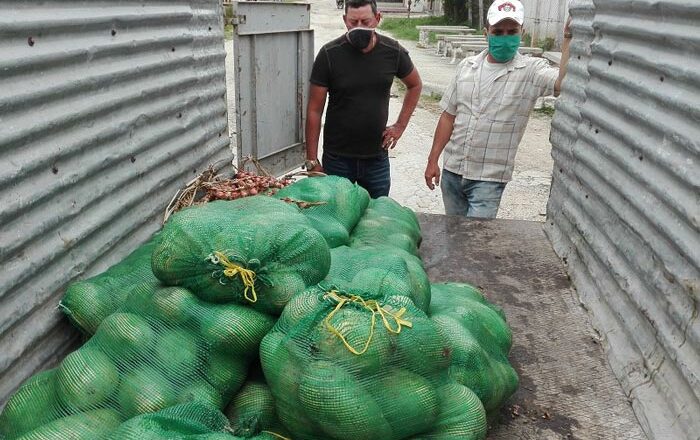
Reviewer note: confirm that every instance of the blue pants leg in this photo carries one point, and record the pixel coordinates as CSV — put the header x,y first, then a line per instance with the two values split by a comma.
x,y
470,198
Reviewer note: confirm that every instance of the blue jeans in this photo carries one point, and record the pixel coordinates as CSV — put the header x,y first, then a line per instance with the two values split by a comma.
x,y
470,198
372,174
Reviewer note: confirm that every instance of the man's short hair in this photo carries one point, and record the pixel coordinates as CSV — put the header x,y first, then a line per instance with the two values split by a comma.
x,y
360,3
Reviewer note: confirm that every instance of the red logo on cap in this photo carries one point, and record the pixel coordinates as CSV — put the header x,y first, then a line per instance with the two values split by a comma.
x,y
507,7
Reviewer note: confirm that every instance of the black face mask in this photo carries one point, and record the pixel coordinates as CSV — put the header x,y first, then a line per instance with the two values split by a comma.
x,y
360,38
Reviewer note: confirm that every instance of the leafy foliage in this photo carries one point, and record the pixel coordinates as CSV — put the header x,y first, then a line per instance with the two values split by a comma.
x,y
457,12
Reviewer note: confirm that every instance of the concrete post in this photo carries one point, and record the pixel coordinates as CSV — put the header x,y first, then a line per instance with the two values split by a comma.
x,y
481,15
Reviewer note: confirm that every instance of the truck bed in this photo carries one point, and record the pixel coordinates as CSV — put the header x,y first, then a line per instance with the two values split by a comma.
x,y
567,390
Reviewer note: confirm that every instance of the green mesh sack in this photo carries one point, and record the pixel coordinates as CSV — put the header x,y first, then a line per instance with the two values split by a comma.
x,y
192,420
343,366
86,303
30,406
380,271
256,250
88,425
187,421
418,276
387,223
35,412
159,349
462,416
480,341
252,411
333,204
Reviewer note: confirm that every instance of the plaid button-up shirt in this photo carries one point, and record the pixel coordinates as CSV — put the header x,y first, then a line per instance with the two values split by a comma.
x,y
488,129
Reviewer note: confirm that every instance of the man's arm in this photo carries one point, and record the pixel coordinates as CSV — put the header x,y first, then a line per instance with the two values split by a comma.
x,y
564,57
414,85
314,110
443,132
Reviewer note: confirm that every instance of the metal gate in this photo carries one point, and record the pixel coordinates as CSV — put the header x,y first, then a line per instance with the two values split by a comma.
x,y
273,55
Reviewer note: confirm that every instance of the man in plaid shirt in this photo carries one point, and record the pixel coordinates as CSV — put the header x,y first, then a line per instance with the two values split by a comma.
x,y
485,111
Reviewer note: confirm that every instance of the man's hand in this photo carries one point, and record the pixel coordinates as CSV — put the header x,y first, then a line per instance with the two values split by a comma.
x,y
314,110
313,166
443,131
391,135
563,64
432,175
567,28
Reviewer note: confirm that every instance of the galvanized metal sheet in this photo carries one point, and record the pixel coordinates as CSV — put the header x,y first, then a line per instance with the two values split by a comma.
x,y
273,64
106,108
624,211
568,116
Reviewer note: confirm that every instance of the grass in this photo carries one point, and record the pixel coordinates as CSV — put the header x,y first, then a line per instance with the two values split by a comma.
x,y
548,111
433,97
405,28
401,87
430,101
228,27
546,45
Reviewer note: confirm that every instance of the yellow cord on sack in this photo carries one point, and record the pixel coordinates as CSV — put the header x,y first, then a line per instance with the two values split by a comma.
x,y
247,275
375,309
274,434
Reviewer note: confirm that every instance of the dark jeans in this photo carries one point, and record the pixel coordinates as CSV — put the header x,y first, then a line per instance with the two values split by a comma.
x,y
372,174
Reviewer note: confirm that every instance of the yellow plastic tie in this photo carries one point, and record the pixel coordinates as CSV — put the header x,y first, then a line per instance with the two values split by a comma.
x,y
274,434
375,309
397,319
247,275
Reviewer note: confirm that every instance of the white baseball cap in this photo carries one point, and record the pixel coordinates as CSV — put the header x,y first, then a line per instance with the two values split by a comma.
x,y
503,9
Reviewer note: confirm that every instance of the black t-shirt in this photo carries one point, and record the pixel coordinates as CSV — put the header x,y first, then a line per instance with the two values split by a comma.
x,y
358,93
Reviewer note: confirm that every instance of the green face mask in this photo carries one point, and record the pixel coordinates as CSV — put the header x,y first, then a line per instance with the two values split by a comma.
x,y
503,47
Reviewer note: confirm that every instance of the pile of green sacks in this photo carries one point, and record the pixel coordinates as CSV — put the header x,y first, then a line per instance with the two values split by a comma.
x,y
306,315
345,366
157,350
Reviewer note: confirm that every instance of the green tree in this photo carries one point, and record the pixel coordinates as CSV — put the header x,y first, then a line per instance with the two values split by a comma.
x,y
456,11
465,12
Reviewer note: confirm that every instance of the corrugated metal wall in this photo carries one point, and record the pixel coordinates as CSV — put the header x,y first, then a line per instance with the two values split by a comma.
x,y
624,211
106,108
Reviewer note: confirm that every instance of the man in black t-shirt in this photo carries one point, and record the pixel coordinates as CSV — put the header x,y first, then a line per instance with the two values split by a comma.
x,y
356,71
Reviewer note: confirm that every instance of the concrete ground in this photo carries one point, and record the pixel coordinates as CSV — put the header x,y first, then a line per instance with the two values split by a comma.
x,y
525,197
